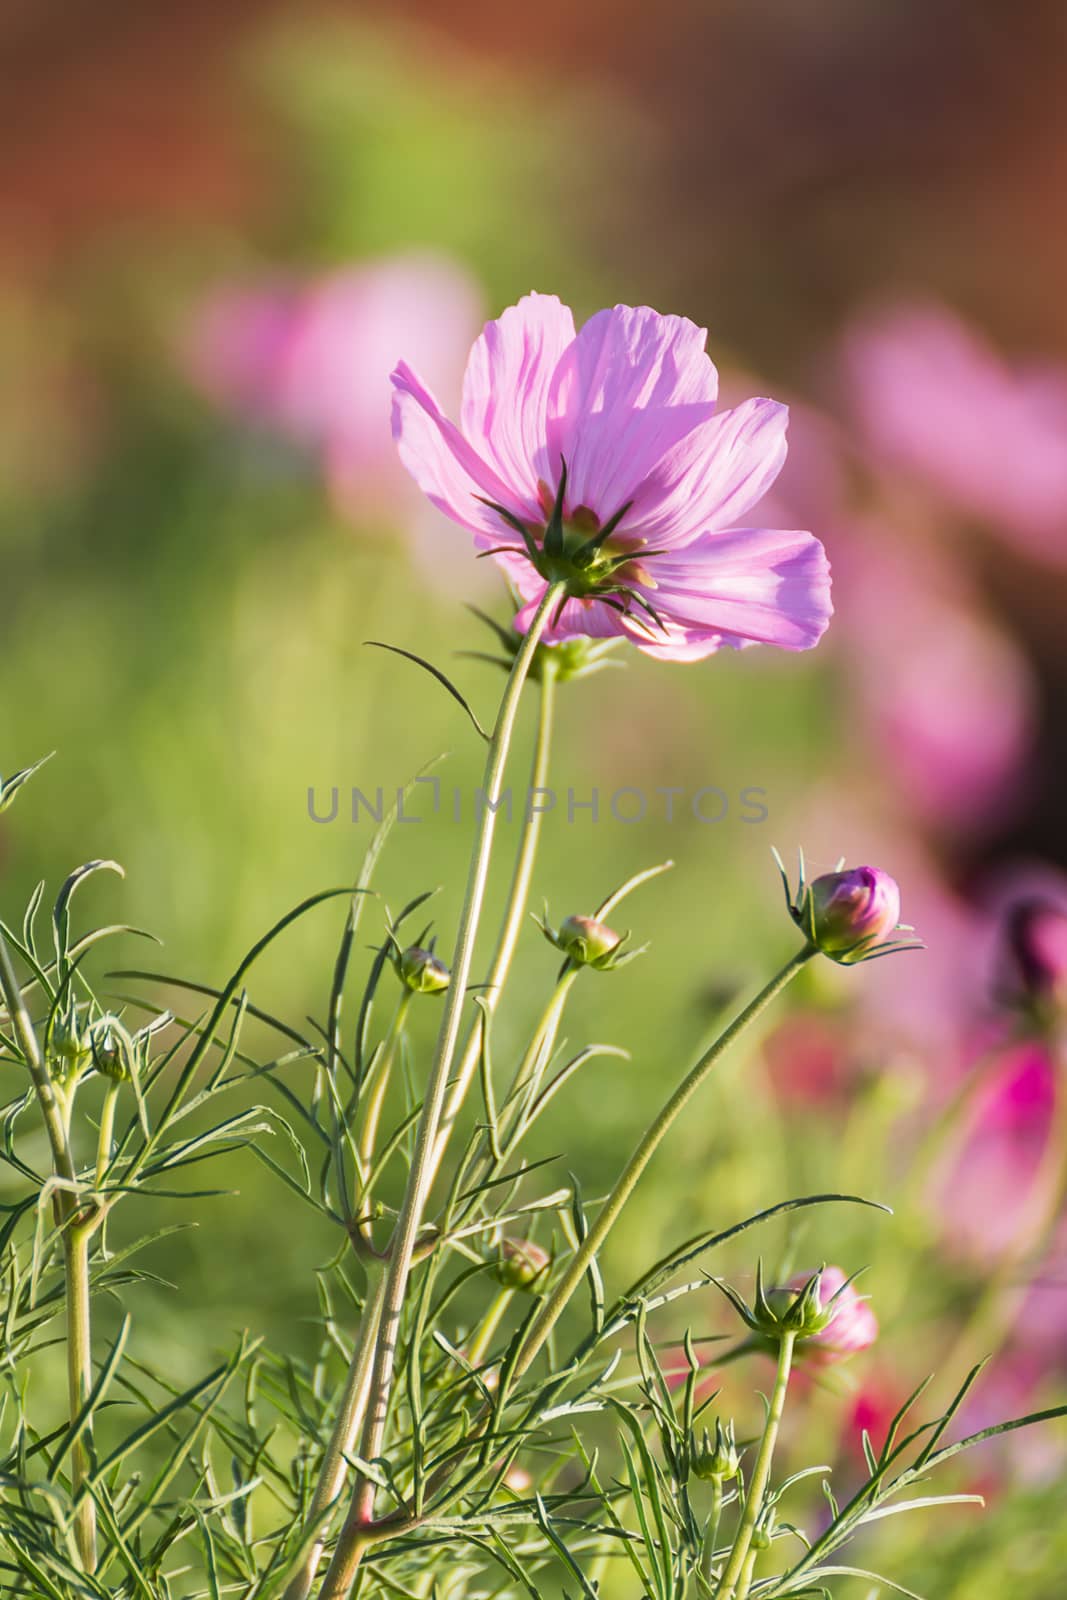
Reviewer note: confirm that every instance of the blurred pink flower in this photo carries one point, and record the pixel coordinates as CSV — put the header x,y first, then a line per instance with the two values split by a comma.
x,y
599,457
808,1063
1027,936
311,358
988,436
949,698
984,1190
1010,1388
853,1326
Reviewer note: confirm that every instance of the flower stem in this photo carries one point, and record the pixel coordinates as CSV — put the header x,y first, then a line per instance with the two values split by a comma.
x,y
349,1551
79,1383
737,1569
478,1346
75,1250
711,1532
334,1468
518,898
627,1181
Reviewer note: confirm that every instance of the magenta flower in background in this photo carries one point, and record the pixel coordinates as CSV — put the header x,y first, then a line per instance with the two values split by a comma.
x,y
598,458
853,1326
989,437
984,1191
310,358
948,698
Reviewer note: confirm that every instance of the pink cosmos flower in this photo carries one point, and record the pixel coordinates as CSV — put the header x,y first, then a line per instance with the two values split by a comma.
x,y
989,437
853,1326
597,458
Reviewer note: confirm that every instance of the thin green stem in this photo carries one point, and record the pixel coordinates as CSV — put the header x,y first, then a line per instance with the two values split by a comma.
x,y
79,1384
107,1130
348,1554
514,914
343,1439
736,1564
475,1351
75,1251
555,1303
711,1532
747,1574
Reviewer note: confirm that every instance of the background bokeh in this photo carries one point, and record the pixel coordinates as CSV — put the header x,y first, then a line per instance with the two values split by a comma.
x,y
219,228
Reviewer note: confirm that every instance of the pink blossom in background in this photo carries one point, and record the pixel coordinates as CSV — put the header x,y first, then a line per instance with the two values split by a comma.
x,y
310,358
984,1192
1013,1385
871,1411
628,406
1026,937
933,398
948,698
853,1326
808,1061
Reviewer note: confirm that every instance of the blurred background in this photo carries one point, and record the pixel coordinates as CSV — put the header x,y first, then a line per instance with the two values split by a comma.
x,y
220,226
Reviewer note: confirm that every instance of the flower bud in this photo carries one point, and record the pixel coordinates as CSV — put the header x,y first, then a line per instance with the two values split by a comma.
x,y
522,1265
68,1045
1036,953
719,1460
112,1050
842,1322
422,971
587,942
820,1310
847,915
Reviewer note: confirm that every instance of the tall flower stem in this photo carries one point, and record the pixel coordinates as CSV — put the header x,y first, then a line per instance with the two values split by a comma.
x,y
348,1554
737,1561
76,1235
342,1443
517,901
555,1302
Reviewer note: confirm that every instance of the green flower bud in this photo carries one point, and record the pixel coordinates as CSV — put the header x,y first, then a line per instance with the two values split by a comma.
x,y
719,1460
112,1050
588,942
67,1045
522,1265
422,971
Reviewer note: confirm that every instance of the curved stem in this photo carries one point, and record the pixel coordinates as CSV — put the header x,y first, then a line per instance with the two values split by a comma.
x,y
628,1179
347,1556
737,1563
514,915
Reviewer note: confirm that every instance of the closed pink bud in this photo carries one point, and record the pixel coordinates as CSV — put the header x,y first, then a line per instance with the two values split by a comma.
x,y
848,914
